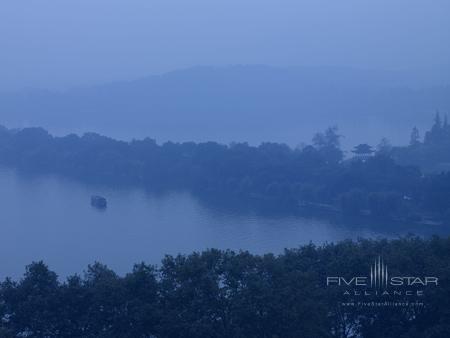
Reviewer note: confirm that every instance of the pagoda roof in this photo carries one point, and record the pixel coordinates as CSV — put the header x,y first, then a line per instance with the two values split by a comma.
x,y
363,148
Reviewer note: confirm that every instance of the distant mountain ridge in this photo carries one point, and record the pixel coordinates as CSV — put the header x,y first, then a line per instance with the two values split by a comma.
x,y
239,103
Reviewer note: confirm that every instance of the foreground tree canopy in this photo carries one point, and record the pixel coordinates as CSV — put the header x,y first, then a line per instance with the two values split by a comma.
x,y
227,294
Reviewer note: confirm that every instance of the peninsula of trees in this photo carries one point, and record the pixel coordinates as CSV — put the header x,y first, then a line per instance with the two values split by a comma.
x,y
409,183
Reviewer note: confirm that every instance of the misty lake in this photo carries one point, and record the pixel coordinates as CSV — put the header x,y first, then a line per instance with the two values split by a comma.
x,y
50,218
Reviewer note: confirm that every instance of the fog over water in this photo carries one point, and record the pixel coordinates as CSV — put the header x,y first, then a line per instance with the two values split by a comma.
x,y
252,104
246,71
199,70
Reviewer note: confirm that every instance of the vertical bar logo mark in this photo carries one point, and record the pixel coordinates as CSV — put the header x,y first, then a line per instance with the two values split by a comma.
x,y
379,274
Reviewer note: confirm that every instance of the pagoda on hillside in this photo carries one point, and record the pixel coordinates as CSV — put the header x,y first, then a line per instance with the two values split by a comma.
x,y
363,151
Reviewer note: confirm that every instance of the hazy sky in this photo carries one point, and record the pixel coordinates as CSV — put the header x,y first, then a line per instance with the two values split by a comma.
x,y
55,43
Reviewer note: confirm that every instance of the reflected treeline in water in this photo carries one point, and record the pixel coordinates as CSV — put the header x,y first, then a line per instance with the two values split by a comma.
x,y
385,183
304,292
275,210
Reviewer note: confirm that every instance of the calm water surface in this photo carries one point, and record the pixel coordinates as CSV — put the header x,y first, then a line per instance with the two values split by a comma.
x,y
50,218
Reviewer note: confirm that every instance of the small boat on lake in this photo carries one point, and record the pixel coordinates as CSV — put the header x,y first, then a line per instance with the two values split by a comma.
x,y
99,202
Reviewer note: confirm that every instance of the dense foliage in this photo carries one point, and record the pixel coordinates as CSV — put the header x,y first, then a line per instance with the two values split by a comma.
x,y
432,154
314,176
227,294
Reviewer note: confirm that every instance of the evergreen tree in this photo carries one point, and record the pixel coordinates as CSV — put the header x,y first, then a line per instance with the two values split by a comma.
x,y
415,137
437,121
434,135
328,143
384,147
